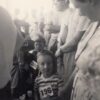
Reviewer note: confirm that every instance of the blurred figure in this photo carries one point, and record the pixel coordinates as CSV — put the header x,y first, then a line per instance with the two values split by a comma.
x,y
87,78
25,68
39,44
73,29
8,38
21,70
53,22
48,84
21,23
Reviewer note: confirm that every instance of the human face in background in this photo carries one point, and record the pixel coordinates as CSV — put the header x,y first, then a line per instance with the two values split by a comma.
x,y
61,4
39,45
88,8
45,63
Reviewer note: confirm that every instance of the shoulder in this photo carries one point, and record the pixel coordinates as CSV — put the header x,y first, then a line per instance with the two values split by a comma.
x,y
56,77
38,79
60,80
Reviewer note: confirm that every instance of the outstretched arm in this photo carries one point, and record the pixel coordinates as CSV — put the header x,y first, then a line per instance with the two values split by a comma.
x,y
72,44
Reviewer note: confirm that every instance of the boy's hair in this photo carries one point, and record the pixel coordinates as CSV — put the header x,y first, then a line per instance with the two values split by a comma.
x,y
46,52
39,38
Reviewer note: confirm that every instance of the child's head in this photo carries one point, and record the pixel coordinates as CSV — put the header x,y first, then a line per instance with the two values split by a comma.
x,y
39,42
47,63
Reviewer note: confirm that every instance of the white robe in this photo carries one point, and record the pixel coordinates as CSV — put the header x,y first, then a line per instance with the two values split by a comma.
x,y
88,56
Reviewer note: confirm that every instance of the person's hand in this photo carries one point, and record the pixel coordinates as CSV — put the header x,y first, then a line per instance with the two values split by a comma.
x,y
58,53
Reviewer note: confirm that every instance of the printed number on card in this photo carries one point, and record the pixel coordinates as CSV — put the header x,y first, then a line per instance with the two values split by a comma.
x,y
46,91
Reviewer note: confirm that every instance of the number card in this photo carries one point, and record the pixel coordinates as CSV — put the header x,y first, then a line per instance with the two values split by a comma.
x,y
46,91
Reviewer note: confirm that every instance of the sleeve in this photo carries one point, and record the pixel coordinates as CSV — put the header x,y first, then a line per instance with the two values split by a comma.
x,y
64,26
63,34
84,23
60,83
36,85
36,90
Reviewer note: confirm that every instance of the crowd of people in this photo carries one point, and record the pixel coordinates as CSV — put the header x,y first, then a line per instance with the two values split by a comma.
x,y
60,61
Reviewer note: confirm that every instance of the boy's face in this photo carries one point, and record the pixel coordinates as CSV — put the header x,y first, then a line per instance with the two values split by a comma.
x,y
39,45
45,63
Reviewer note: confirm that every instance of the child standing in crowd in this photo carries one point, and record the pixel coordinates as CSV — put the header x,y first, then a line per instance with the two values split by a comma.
x,y
25,71
48,84
39,44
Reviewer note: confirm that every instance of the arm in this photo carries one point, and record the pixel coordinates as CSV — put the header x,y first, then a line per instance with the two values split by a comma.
x,y
62,35
72,44
69,83
82,26
36,92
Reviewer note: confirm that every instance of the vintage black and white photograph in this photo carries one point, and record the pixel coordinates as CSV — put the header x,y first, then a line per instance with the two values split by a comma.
x,y
49,49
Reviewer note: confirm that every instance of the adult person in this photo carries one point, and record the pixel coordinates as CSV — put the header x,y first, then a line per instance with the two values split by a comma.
x,y
67,13
53,22
8,38
74,28
86,82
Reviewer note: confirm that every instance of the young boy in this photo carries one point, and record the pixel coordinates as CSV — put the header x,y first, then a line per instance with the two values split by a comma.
x,y
48,84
